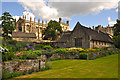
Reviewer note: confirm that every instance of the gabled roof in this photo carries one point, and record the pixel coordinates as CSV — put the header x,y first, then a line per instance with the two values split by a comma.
x,y
94,35
65,36
23,35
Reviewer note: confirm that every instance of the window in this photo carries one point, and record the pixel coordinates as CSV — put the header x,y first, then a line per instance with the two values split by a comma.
x,y
102,43
105,43
99,42
96,42
20,27
78,42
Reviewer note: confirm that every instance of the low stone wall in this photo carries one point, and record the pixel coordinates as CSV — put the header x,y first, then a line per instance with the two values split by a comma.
x,y
64,56
90,56
25,66
94,55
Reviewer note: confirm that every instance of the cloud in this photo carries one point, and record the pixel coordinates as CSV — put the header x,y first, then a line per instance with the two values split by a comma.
x,y
54,10
67,9
27,14
111,22
16,17
39,9
117,10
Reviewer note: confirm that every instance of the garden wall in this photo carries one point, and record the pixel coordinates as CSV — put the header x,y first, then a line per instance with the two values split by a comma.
x,y
87,56
64,56
25,66
94,55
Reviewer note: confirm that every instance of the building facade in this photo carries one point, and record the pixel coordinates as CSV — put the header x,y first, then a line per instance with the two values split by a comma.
x,y
109,30
32,29
84,37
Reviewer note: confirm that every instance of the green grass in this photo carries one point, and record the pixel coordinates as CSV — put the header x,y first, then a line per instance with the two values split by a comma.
x,y
104,67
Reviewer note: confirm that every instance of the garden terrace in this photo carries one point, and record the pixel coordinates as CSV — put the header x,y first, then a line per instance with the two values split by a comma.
x,y
104,67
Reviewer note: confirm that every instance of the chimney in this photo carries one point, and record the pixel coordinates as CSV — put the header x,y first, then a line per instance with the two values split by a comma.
x,y
42,23
93,27
23,16
34,19
108,25
38,20
60,19
67,22
30,25
46,23
30,18
99,25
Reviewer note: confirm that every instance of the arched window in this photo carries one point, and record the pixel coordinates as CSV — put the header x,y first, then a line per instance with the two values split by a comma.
x,y
28,28
20,27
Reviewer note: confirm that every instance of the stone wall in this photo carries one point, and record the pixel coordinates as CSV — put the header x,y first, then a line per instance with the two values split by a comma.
x,y
94,55
64,56
78,33
25,66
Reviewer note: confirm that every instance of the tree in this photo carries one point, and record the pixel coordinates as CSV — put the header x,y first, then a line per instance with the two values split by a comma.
x,y
116,37
53,30
117,28
8,25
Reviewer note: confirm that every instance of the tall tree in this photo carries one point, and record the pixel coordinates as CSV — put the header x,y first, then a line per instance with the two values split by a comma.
x,y
117,28
53,30
116,36
8,25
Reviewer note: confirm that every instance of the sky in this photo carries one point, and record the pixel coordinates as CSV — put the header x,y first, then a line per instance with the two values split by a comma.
x,y
87,13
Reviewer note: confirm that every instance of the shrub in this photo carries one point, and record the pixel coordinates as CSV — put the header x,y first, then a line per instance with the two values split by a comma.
x,y
46,47
103,54
72,51
83,55
55,59
7,56
32,56
6,73
12,42
24,55
15,74
37,52
110,52
38,46
106,48
48,65
60,51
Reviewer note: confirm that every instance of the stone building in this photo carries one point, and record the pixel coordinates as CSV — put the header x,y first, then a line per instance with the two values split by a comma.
x,y
84,37
32,30
108,30
65,26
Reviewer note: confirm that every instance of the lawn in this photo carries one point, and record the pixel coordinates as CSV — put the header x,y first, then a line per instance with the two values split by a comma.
x,y
104,67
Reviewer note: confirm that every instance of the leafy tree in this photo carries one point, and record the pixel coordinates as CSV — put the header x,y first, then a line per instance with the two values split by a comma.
x,y
8,25
116,36
117,41
117,28
53,30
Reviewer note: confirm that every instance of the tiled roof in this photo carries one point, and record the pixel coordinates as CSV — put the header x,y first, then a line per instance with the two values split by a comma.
x,y
94,35
23,35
